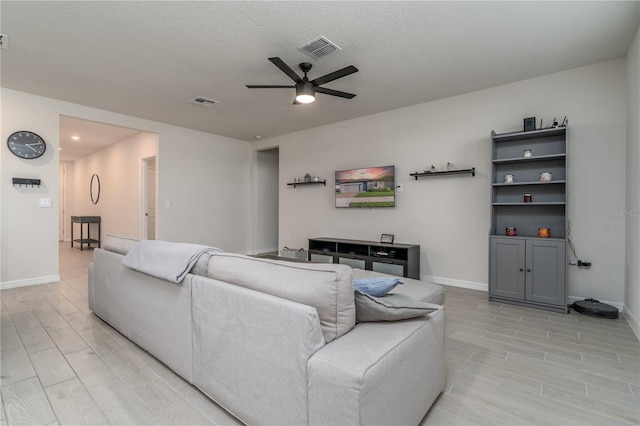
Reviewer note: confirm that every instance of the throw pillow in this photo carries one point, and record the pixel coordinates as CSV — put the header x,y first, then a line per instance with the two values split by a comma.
x,y
376,286
392,307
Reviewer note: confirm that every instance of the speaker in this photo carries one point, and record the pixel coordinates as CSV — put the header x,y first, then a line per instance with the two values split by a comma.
x,y
529,124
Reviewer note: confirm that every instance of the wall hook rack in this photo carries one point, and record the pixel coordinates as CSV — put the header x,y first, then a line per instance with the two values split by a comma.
x,y
26,182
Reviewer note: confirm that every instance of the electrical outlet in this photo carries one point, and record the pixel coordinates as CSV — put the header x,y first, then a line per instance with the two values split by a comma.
x,y
4,41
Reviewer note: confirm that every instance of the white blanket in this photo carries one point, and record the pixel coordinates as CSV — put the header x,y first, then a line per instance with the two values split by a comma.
x,y
164,259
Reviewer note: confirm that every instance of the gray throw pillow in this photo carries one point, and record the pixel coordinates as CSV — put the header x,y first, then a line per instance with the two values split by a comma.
x,y
392,307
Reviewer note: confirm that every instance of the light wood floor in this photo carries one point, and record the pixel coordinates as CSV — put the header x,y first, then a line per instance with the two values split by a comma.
x,y
506,365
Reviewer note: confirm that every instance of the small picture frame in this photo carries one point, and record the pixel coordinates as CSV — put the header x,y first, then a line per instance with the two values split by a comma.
x,y
386,238
529,124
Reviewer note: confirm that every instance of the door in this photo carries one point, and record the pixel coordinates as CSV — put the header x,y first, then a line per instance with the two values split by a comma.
x,y
62,200
546,270
149,196
507,268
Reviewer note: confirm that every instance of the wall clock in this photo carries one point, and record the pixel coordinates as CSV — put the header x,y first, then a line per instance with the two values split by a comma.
x,y
27,145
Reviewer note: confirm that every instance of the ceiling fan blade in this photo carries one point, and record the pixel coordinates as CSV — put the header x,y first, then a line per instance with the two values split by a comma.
x,y
334,92
334,75
266,86
286,69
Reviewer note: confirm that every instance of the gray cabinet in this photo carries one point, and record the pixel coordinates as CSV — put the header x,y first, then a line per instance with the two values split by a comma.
x,y
528,271
527,264
507,268
396,259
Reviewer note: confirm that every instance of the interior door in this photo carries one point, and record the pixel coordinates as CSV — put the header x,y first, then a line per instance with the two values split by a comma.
x,y
149,198
62,194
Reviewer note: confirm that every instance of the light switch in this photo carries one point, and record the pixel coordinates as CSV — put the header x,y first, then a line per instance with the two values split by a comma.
x,y
45,202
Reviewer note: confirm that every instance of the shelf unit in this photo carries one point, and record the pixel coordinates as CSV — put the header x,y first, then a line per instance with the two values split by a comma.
x,y
394,259
525,269
471,171
322,182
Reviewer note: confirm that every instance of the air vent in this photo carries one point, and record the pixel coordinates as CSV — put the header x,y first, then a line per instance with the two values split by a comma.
x,y
201,100
319,47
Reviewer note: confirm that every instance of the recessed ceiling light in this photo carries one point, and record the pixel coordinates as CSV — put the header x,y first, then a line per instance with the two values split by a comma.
x,y
258,136
75,138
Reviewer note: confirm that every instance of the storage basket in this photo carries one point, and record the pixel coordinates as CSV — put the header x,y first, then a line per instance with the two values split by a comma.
x,y
294,253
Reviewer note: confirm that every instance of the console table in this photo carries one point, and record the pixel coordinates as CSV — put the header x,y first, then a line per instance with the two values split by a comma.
x,y
395,259
88,220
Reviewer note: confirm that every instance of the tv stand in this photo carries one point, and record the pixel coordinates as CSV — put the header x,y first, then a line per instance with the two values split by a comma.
x,y
394,259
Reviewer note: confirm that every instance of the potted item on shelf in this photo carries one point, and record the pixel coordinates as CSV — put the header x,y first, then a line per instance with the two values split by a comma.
x,y
307,177
528,153
507,179
544,232
449,166
545,177
510,231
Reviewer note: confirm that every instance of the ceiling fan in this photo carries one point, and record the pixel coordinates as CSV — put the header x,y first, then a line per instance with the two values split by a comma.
x,y
306,90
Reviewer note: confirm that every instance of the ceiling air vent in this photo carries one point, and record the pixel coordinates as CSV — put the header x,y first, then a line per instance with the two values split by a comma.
x,y
319,47
201,100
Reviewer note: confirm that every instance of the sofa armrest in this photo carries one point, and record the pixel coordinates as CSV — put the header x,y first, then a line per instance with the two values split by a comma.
x,y
379,373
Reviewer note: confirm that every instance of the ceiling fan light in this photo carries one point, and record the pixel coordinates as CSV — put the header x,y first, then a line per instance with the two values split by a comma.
x,y
305,98
305,93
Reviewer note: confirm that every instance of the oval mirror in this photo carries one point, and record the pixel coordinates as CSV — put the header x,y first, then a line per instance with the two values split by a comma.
x,y
95,189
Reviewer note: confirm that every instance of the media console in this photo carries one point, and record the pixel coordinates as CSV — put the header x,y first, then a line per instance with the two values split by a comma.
x,y
396,259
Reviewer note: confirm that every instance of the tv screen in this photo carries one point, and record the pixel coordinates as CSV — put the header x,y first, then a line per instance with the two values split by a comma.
x,y
370,187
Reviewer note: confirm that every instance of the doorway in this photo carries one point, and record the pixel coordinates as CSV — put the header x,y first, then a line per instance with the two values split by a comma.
x,y
149,197
267,202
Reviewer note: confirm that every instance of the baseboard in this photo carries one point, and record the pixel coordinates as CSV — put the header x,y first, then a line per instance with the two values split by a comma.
x,y
633,321
31,281
455,283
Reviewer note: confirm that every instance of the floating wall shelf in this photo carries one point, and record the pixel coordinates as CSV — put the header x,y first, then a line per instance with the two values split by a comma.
x,y
471,171
294,184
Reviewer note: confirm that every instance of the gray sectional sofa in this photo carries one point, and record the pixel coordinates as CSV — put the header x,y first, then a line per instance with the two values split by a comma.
x,y
275,342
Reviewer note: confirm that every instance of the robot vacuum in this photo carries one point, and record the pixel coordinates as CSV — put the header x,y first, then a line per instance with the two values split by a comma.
x,y
594,308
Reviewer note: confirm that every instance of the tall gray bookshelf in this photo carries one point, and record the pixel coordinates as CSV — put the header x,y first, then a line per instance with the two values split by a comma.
x,y
526,268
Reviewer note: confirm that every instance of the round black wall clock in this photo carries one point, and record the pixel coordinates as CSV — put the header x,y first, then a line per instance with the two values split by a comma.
x,y
27,145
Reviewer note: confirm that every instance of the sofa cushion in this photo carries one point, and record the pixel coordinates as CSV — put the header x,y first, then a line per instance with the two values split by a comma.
x,y
326,287
118,244
392,307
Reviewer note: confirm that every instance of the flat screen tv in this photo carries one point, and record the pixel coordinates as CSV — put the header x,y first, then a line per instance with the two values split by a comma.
x,y
369,187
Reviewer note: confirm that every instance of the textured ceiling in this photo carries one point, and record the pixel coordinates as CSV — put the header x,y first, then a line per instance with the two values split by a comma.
x,y
149,59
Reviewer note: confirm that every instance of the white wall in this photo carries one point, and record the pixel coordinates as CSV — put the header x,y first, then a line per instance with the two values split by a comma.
x,y
449,216
632,290
203,181
119,168
29,234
